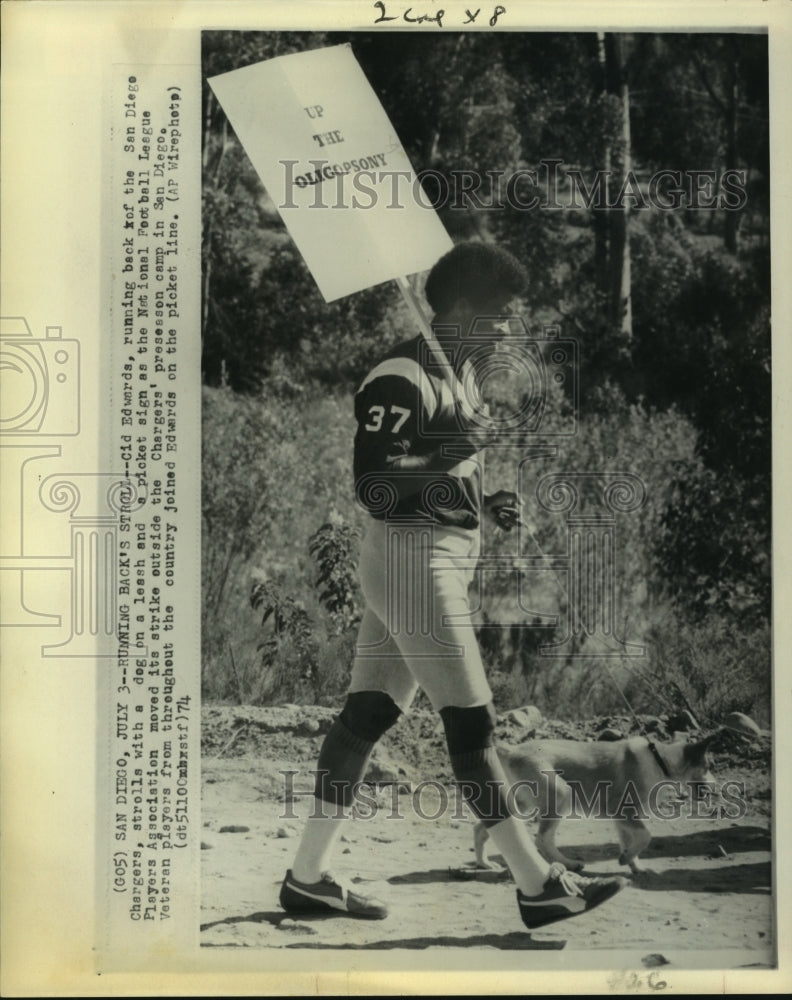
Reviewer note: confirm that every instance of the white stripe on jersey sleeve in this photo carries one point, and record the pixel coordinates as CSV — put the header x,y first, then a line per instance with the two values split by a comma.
x,y
466,468
412,371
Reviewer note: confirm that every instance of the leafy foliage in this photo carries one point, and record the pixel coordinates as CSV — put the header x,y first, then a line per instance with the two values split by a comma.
x,y
292,633
334,546
711,668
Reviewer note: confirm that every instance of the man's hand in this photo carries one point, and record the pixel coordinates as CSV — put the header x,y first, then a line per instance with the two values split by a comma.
x,y
503,508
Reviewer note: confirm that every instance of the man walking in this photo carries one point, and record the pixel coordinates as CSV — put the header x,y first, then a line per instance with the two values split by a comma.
x,y
418,470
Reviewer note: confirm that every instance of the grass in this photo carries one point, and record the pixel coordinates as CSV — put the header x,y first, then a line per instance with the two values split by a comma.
x,y
278,466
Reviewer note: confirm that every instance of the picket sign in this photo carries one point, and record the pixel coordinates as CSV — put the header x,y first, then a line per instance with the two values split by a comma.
x,y
332,164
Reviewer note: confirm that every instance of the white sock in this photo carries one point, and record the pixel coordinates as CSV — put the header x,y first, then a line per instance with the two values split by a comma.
x,y
318,842
527,866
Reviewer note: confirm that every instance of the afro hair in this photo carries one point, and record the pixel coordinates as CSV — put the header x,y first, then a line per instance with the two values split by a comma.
x,y
476,272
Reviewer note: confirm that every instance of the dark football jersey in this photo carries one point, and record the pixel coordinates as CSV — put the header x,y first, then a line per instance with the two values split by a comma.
x,y
405,407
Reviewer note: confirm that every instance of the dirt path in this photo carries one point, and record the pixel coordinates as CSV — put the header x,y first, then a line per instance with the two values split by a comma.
x,y
706,887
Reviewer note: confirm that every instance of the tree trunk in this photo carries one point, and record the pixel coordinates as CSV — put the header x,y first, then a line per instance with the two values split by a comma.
x,y
726,103
619,282
732,218
600,217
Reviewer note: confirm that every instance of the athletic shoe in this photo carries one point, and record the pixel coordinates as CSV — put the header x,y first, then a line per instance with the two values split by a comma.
x,y
328,896
566,894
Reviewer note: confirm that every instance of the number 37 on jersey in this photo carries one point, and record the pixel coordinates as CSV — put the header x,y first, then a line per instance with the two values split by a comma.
x,y
377,415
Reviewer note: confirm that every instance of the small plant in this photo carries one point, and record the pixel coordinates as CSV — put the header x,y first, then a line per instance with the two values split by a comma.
x,y
334,546
289,652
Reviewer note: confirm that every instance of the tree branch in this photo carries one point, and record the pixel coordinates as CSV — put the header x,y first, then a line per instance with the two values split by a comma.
x,y
719,104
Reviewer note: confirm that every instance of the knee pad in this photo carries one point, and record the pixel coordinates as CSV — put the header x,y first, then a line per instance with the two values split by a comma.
x,y
341,765
348,745
369,714
469,729
474,760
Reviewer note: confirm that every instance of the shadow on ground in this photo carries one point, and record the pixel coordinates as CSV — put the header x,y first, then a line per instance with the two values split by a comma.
x,y
700,843
754,878
450,875
274,918
514,941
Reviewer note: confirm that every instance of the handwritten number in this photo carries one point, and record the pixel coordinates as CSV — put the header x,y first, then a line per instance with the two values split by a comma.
x,y
420,19
436,18
634,982
382,17
496,14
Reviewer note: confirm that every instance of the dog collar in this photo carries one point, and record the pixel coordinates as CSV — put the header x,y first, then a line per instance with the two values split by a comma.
x,y
656,754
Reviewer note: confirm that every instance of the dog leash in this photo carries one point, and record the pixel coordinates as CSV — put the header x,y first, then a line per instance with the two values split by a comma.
x,y
656,754
641,728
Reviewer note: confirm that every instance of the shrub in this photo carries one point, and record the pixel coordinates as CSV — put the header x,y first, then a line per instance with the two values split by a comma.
x,y
711,667
334,546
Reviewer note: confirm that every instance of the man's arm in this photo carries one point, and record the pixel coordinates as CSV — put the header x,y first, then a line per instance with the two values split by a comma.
x,y
392,415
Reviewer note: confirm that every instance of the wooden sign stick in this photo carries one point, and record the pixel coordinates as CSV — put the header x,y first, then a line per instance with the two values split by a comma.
x,y
415,307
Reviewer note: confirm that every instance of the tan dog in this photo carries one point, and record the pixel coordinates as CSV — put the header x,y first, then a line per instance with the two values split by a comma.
x,y
624,781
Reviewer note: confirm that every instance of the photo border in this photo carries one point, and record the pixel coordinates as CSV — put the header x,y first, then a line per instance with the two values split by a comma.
x,y
51,219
